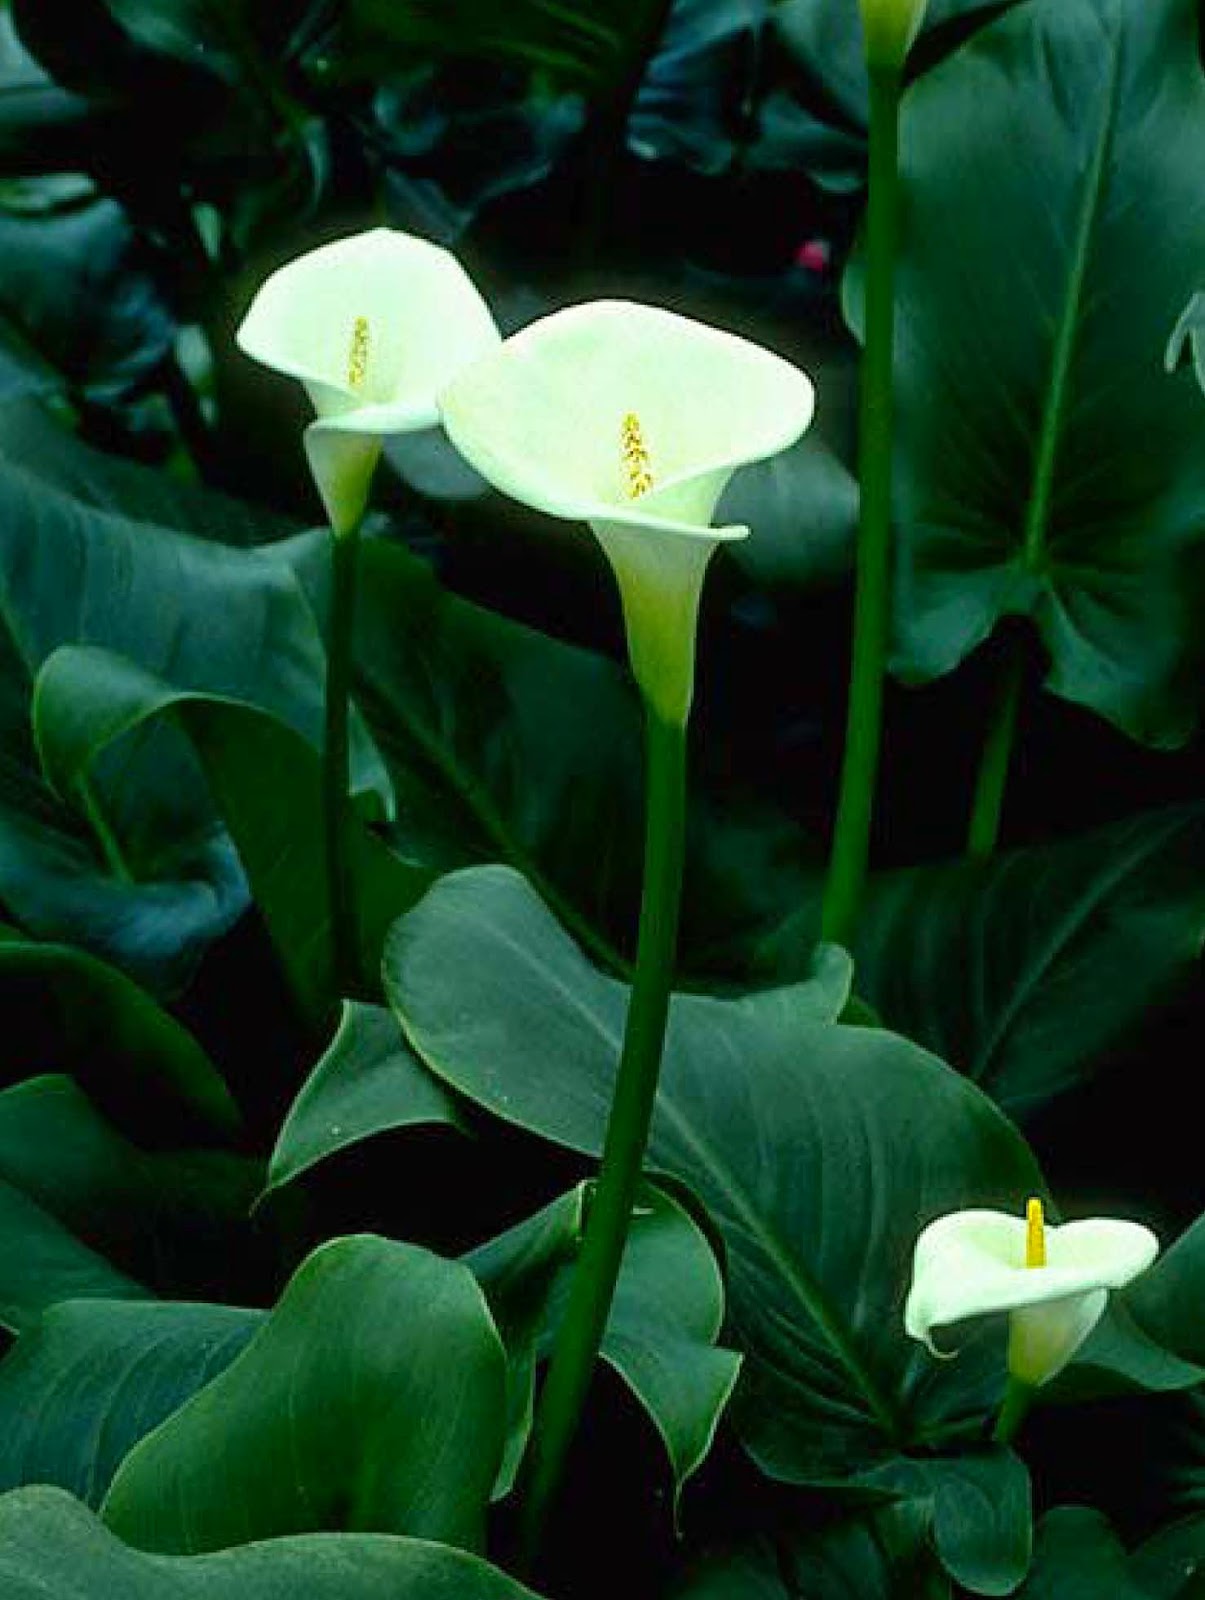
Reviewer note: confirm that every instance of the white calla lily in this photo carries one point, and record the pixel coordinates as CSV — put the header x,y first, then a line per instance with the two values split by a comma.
x,y
1053,1281
889,28
632,419
373,326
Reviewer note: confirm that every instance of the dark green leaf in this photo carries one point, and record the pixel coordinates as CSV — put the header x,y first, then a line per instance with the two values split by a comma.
x,y
87,698
1166,1301
819,1152
51,1548
93,1377
1119,1357
884,1556
372,1399
64,1010
1079,1557
138,868
661,1333
980,1506
586,46
168,1219
41,1262
1171,1565
1046,466
1026,970
368,1081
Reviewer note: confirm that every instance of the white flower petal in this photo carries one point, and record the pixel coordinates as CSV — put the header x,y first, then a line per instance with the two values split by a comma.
x,y
972,1263
424,320
542,416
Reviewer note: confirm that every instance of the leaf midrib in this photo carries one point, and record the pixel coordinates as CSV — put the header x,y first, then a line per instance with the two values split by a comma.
x,y
1065,931
1037,516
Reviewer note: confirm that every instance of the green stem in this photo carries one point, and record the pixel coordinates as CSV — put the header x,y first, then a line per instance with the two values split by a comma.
x,y
863,732
579,1335
992,781
336,773
110,849
1018,1398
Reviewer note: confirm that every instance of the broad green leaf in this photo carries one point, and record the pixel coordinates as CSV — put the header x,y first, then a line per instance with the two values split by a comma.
x,y
585,46
52,1548
137,868
1046,465
1078,1557
368,1081
1171,1564
40,444
661,1333
882,1556
88,698
65,1010
170,1219
1119,1357
1026,970
1165,1301
979,1503
372,1399
89,1380
819,1152
41,1263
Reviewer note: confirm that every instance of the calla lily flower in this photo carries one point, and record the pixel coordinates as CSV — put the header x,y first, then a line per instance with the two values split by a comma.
x,y
1053,1281
889,28
373,326
632,419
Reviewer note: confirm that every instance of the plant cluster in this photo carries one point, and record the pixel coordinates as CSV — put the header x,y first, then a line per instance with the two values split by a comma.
x,y
616,1014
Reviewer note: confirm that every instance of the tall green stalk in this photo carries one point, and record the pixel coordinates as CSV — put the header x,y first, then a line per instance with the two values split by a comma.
x,y
336,769
863,733
992,780
579,1336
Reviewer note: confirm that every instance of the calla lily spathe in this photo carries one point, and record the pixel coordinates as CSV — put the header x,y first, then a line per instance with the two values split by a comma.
x,y
373,326
632,419
973,1263
889,28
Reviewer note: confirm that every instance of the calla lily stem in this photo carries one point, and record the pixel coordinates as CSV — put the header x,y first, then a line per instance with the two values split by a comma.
x,y
864,719
336,771
992,781
1018,1397
579,1336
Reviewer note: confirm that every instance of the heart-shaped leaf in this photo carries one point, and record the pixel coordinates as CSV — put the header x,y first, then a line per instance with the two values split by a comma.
x,y
372,1399
52,1548
1046,466
819,1152
93,1377
1026,970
